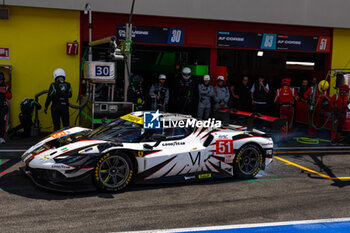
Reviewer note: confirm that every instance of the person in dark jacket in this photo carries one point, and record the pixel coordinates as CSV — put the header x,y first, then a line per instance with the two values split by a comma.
x,y
260,96
242,95
186,92
5,95
59,93
27,109
135,93
302,89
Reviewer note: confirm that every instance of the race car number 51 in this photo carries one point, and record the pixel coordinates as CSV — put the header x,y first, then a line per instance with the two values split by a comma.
x,y
224,147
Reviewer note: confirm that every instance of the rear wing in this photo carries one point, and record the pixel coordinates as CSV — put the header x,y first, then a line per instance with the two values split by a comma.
x,y
250,120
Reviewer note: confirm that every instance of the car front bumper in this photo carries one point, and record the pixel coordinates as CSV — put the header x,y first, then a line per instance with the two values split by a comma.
x,y
55,181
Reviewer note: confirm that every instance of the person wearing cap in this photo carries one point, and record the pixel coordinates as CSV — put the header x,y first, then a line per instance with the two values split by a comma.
x,y
285,98
260,96
221,93
59,93
206,92
159,94
136,94
339,103
186,92
5,95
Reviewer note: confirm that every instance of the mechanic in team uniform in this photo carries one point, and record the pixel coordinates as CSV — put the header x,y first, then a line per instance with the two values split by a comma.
x,y
339,103
206,92
286,98
59,93
260,96
135,93
5,95
159,94
27,108
186,92
221,93
315,96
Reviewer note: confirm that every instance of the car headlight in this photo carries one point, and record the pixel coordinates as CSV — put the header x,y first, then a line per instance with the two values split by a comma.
x,y
269,152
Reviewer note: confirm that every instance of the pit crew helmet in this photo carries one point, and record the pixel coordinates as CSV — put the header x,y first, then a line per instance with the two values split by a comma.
x,y
186,73
59,72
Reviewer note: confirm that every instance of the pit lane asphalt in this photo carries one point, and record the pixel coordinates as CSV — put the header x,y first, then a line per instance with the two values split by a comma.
x,y
281,193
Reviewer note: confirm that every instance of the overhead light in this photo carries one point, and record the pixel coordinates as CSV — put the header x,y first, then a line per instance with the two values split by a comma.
x,y
300,63
260,53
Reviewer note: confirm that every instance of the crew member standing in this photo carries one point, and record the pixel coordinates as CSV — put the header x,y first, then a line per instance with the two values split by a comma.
x,y
260,96
285,98
25,117
206,92
242,94
135,93
186,92
159,94
339,103
5,95
59,93
222,93
315,97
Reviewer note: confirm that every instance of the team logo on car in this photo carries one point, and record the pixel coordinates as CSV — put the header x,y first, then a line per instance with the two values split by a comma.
x,y
151,120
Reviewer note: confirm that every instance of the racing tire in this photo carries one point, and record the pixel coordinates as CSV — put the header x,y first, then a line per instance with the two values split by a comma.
x,y
113,172
248,161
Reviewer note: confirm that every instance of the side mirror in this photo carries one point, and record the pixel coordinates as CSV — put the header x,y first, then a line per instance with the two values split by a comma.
x,y
158,138
147,146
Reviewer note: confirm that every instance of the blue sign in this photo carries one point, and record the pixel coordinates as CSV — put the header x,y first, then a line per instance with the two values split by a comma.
x,y
176,36
102,71
151,120
269,41
239,39
154,35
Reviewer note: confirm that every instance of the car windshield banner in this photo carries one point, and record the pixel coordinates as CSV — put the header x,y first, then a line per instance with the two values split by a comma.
x,y
153,35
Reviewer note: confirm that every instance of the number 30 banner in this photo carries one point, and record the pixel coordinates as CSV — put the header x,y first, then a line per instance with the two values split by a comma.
x,y
153,35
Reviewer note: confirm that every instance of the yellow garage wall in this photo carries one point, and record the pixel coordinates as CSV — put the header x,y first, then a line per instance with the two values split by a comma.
x,y
37,40
341,52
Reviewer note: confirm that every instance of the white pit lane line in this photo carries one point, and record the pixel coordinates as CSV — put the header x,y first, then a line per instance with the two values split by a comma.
x,y
244,226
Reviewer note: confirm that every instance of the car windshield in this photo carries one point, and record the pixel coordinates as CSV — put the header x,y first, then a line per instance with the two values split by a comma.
x,y
118,131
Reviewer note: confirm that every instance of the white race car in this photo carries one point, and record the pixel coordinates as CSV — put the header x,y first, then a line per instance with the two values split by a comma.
x,y
112,156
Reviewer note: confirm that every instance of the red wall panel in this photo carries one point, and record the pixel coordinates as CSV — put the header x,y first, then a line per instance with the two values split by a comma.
x,y
198,33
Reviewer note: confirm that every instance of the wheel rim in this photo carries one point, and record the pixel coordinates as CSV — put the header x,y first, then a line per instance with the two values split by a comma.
x,y
114,171
249,161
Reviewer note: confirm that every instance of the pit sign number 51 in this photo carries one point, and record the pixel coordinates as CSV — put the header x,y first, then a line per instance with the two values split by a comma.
x,y
224,147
